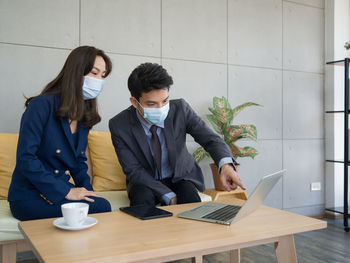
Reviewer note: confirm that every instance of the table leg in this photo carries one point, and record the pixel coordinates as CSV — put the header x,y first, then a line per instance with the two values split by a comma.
x,y
8,253
197,259
285,250
235,256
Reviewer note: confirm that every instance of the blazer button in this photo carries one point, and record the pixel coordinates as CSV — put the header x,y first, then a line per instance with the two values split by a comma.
x,y
58,151
67,172
56,171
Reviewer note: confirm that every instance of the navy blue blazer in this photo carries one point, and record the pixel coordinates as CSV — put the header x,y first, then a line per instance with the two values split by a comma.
x,y
46,155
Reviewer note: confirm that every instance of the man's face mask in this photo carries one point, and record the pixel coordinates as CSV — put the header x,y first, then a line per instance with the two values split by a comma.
x,y
155,115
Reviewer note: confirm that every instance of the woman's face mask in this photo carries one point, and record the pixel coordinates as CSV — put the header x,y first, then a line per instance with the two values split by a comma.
x,y
92,87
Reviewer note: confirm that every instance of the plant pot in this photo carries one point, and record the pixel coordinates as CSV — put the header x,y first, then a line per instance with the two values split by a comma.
x,y
216,177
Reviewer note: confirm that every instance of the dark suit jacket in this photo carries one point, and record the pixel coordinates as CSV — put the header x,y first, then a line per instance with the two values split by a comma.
x,y
46,154
130,142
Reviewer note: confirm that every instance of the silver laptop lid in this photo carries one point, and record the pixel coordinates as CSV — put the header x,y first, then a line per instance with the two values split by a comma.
x,y
259,194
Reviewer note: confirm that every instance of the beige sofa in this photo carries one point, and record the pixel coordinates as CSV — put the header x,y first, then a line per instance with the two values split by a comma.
x,y
107,179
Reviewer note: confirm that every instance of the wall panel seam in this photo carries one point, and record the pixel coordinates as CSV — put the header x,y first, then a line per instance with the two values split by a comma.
x,y
306,5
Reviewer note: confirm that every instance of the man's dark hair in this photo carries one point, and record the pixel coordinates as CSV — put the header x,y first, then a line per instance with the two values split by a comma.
x,y
147,77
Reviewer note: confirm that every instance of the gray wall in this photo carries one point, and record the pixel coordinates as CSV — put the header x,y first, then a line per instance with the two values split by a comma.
x,y
267,51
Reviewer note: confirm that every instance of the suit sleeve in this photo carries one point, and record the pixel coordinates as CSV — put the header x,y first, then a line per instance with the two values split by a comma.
x,y
203,135
28,163
132,168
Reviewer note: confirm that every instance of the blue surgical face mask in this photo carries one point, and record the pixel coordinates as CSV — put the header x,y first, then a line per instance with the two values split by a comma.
x,y
92,87
155,115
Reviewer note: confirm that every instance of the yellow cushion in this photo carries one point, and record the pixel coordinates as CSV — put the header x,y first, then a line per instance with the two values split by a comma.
x,y
8,148
107,172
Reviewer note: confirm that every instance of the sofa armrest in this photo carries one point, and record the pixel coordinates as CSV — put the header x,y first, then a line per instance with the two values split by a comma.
x,y
8,224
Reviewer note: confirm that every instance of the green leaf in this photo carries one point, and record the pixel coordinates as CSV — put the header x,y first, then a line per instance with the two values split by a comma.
x,y
239,108
236,151
223,115
248,151
232,133
347,45
220,103
243,152
200,154
222,110
235,132
217,125
251,129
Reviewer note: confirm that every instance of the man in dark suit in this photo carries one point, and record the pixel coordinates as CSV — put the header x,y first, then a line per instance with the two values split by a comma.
x,y
150,140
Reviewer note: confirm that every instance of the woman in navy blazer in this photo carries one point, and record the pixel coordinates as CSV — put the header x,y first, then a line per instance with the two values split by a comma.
x,y
53,138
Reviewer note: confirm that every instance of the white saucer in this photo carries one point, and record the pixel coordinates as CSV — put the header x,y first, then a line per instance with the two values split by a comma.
x,y
89,222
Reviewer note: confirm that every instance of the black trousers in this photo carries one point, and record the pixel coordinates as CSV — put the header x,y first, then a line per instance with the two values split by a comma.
x,y
38,209
185,191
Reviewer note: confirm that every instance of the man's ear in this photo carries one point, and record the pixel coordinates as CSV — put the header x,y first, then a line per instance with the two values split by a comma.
x,y
134,102
136,105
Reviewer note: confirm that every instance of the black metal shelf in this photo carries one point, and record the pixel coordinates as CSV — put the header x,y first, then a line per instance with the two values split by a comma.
x,y
339,210
336,111
344,210
337,161
339,62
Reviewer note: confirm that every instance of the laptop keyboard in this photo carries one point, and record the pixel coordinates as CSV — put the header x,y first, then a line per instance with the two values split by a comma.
x,y
223,214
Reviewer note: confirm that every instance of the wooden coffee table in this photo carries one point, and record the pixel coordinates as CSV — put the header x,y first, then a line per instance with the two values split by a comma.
x,y
119,237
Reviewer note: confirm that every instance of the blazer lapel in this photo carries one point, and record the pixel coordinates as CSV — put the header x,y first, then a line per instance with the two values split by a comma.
x,y
170,139
82,134
141,138
68,133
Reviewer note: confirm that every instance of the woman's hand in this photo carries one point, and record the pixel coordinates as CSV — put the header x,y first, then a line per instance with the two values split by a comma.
x,y
80,193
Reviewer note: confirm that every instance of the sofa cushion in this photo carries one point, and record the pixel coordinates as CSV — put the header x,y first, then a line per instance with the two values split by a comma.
x,y
107,172
120,198
8,148
116,198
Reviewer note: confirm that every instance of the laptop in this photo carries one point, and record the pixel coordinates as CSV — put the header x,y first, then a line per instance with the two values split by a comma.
x,y
227,214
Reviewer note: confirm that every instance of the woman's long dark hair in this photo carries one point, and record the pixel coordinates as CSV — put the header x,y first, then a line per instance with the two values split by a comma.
x,y
69,83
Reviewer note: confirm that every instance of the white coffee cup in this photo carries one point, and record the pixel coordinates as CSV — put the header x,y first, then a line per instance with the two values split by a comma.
x,y
74,213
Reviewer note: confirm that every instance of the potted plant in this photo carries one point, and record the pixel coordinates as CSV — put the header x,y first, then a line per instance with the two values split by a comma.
x,y
220,119
347,45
